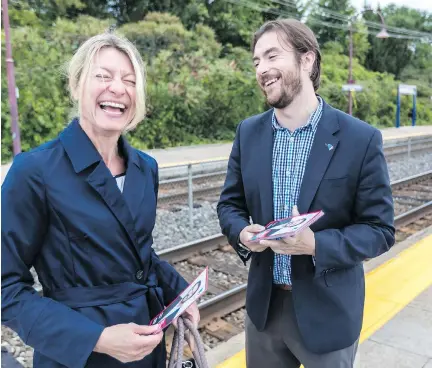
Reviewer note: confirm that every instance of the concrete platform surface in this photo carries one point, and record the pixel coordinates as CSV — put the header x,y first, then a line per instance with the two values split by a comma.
x,y
183,155
403,342
186,154
8,361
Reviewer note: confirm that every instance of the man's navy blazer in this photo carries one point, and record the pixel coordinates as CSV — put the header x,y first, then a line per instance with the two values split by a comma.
x,y
346,176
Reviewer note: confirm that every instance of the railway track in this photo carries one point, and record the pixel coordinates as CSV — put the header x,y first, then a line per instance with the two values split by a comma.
x,y
413,212
404,194
176,191
412,201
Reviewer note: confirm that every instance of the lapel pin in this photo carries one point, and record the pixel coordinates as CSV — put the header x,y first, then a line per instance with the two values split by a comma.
x,y
329,146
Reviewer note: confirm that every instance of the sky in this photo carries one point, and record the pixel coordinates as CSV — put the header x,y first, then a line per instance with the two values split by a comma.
x,y
416,4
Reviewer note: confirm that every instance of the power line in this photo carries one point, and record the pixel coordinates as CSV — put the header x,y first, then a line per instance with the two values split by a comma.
x,y
346,18
310,18
257,7
321,11
396,32
399,33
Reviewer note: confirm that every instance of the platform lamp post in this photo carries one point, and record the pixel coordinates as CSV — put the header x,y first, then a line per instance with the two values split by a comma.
x,y
16,140
382,34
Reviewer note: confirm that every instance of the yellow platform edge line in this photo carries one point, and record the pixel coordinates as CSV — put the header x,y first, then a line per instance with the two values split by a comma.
x,y
389,288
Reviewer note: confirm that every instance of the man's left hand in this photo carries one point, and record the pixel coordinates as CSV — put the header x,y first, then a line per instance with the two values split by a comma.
x,y
301,244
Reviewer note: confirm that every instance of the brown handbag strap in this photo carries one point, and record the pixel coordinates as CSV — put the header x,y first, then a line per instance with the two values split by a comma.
x,y
177,346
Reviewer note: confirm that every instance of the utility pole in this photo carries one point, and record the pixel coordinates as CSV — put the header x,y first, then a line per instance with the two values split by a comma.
x,y
350,81
16,140
382,34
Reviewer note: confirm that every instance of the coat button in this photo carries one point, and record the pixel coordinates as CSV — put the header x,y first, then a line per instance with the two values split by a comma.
x,y
139,274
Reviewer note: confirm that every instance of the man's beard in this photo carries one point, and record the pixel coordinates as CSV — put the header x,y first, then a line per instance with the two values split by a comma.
x,y
290,88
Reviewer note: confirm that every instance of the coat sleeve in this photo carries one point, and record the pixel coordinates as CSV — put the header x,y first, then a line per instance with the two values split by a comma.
x,y
373,230
232,210
171,281
51,328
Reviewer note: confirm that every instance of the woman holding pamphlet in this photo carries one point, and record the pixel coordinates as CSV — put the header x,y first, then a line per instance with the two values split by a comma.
x,y
81,209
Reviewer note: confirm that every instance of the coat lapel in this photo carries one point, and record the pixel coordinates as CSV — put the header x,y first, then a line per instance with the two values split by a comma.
x,y
323,148
136,181
264,158
105,184
83,155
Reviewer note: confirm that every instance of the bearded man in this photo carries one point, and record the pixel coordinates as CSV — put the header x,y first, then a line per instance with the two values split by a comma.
x,y
305,295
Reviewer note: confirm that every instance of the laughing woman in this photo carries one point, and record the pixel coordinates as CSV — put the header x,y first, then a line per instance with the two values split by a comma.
x,y
81,209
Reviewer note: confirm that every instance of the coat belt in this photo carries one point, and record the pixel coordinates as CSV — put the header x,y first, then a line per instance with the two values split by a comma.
x,y
91,296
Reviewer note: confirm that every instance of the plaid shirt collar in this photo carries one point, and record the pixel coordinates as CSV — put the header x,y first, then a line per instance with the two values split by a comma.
x,y
313,120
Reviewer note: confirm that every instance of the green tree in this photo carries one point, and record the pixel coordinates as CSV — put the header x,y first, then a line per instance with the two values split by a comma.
x,y
328,26
360,42
376,104
200,78
21,14
330,20
393,55
194,95
235,24
420,68
44,106
46,10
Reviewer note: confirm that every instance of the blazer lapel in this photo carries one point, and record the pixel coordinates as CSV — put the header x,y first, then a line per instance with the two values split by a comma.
x,y
264,158
323,148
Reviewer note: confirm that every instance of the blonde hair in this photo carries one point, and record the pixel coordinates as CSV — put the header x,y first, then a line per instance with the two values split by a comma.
x,y
79,67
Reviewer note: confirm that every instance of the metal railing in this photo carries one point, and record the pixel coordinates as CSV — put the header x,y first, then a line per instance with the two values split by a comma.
x,y
190,182
183,184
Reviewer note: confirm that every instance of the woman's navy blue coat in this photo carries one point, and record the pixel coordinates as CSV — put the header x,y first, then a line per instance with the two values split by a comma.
x,y
91,246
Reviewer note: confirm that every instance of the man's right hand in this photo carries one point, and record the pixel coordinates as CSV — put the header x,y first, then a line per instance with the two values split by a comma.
x,y
247,233
128,342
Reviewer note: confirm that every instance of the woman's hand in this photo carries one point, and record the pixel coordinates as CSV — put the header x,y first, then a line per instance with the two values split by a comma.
x,y
192,314
128,342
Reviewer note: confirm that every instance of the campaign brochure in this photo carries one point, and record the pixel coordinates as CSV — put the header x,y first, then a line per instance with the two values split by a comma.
x,y
197,288
288,226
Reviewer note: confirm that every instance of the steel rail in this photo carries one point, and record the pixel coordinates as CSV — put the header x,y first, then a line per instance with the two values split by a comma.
x,y
235,298
183,252
222,304
217,305
169,198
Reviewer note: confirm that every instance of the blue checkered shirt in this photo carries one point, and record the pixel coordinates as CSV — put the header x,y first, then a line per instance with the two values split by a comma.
x,y
290,155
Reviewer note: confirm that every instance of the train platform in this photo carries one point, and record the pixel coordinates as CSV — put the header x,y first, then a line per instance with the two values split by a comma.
x,y
397,324
171,158
214,152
